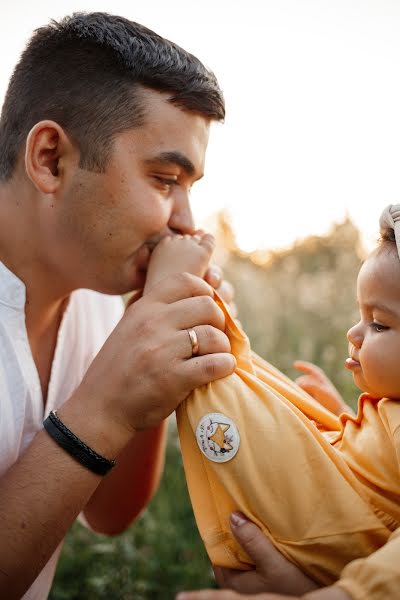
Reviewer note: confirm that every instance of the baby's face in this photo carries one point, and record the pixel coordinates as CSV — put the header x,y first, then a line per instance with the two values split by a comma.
x,y
374,342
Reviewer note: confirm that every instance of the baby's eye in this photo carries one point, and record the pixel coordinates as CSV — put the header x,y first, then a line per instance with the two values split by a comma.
x,y
378,327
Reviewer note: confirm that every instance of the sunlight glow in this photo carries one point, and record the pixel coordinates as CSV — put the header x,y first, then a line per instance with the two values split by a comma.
x,y
312,90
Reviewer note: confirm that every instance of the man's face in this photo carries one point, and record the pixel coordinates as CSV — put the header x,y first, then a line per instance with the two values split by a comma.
x,y
108,222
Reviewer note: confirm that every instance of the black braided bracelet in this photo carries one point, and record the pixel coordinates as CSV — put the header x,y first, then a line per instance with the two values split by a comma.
x,y
75,447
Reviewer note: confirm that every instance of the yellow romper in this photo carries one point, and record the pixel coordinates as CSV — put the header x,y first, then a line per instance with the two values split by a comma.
x,y
325,489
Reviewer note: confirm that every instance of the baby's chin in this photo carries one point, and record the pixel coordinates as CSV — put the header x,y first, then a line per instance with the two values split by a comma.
x,y
374,394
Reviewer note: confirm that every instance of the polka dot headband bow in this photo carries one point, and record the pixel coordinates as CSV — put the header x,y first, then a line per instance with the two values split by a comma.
x,y
390,219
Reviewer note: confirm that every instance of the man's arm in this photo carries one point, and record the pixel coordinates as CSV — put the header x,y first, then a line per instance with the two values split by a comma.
x,y
141,374
129,487
40,497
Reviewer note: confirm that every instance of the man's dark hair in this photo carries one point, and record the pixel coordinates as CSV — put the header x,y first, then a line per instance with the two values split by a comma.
x,y
87,73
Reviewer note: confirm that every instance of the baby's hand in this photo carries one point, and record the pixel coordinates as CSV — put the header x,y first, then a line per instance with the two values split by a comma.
x,y
179,254
320,387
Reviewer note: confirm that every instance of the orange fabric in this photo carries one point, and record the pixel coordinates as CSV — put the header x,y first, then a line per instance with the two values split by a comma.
x,y
376,577
324,489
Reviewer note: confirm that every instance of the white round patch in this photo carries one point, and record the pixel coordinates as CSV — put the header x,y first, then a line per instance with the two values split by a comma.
x,y
217,437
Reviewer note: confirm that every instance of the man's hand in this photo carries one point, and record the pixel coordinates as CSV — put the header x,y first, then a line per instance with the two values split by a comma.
x,y
214,276
319,386
145,368
329,593
277,577
273,572
229,595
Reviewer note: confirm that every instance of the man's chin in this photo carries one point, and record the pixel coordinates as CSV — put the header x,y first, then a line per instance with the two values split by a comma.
x,y
121,288
135,282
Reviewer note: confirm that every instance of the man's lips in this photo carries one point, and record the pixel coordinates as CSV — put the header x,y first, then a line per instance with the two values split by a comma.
x,y
351,364
143,254
142,257
151,244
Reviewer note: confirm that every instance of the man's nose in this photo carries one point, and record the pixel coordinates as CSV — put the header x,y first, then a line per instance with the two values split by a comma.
x,y
181,220
355,335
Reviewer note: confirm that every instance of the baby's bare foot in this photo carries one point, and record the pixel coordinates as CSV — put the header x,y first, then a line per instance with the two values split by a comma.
x,y
179,254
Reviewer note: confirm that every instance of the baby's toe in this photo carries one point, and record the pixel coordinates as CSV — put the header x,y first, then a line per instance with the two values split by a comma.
x,y
208,243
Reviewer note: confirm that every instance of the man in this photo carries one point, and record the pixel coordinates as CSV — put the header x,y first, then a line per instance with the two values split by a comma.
x,y
103,132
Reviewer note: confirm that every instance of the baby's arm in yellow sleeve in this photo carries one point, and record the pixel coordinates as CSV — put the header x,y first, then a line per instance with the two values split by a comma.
x,y
377,576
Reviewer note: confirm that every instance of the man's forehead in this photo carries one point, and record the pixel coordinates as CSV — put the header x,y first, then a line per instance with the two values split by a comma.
x,y
169,135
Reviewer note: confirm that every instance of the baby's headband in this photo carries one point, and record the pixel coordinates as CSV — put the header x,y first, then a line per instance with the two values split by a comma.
x,y
390,219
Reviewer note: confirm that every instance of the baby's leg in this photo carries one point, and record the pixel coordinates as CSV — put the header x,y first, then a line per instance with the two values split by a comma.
x,y
179,254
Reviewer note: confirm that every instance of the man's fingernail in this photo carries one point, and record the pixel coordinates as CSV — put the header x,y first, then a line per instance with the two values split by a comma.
x,y
181,596
233,361
216,275
238,519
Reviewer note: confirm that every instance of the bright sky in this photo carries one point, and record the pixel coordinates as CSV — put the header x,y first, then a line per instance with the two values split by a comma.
x,y
312,89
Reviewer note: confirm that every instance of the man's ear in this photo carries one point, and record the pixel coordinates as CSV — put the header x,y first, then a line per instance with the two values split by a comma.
x,y
47,147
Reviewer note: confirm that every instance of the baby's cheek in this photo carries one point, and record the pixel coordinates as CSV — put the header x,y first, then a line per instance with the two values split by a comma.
x,y
370,367
382,375
391,372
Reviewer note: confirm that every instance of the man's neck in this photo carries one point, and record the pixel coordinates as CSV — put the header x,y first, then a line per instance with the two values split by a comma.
x,y
29,254
42,316
22,251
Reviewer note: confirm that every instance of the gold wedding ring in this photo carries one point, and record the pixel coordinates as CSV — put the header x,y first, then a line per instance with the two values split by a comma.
x,y
194,341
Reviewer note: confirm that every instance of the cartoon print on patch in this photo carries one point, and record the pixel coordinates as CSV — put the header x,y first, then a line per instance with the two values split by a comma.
x,y
217,437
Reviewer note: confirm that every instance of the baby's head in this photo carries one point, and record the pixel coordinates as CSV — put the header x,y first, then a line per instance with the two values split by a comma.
x,y
374,342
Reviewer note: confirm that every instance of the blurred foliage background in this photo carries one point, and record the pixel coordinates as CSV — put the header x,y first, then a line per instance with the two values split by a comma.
x,y
296,303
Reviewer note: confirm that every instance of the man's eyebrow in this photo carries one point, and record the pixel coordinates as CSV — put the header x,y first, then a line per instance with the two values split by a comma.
x,y
174,158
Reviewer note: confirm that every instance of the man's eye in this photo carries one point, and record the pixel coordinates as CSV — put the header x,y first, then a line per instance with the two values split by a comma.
x,y
166,182
378,327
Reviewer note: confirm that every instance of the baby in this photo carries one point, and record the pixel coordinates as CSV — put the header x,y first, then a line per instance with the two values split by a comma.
x,y
324,488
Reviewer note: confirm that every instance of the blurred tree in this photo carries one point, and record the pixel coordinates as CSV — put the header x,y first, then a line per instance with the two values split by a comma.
x,y
299,303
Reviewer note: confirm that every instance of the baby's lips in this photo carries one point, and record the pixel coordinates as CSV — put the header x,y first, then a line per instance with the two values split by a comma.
x,y
351,364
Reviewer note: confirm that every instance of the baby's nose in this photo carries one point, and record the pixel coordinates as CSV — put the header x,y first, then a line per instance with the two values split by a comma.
x,y
355,335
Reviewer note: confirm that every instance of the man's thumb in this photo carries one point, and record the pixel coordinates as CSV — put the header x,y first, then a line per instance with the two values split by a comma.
x,y
250,537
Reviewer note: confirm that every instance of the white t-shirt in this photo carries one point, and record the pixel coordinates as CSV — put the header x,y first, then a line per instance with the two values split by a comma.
x,y
87,322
